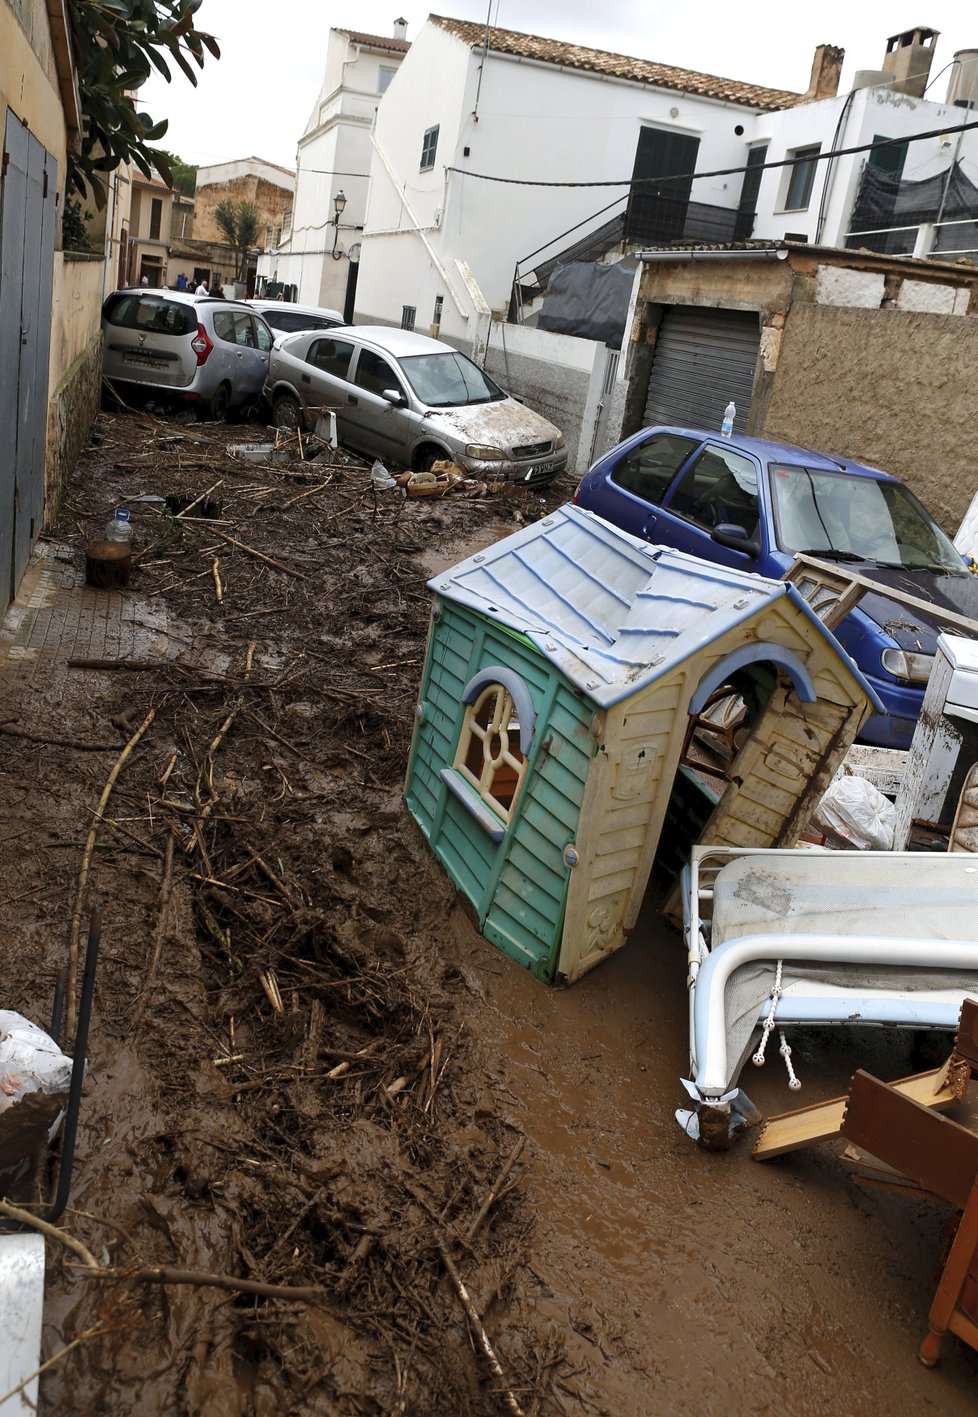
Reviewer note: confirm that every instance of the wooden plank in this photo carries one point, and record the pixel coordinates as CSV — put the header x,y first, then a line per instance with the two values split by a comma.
x,y
967,1041
790,1131
935,613
936,1153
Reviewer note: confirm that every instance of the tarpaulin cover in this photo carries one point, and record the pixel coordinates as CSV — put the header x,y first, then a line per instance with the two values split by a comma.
x,y
884,202
588,300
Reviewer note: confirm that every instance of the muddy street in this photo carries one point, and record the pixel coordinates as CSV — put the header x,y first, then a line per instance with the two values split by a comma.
x,y
308,1073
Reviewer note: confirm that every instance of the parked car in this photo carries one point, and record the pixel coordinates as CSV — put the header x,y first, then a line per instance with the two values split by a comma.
x,y
410,400
752,504
212,353
287,319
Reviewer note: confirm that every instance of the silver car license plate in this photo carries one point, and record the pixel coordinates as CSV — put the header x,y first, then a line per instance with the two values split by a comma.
x,y
537,471
143,361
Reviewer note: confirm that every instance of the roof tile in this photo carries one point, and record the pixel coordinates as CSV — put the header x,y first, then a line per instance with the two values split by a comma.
x,y
620,66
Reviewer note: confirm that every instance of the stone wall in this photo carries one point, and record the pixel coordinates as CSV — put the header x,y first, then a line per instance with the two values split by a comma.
x,y
75,371
271,200
893,388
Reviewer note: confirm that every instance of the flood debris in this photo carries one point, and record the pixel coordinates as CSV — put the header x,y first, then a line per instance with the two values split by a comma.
x,y
280,1062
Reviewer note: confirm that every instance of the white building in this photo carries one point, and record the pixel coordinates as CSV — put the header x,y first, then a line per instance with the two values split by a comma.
x,y
443,246
318,252
440,246
820,201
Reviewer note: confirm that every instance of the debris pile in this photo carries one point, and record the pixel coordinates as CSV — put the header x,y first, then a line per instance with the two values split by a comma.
x,y
293,1174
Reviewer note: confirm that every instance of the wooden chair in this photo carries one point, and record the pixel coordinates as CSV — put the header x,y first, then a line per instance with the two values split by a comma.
x,y
939,1158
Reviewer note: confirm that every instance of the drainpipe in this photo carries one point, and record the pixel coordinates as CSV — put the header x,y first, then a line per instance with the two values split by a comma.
x,y
418,229
767,253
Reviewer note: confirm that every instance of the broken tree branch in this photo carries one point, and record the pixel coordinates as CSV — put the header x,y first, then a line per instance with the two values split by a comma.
x,y
76,913
260,556
497,1188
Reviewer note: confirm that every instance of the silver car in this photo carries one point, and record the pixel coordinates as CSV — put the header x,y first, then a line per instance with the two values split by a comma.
x,y
286,319
212,353
410,400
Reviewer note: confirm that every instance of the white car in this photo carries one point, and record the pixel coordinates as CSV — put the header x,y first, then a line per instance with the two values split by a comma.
x,y
410,401
287,319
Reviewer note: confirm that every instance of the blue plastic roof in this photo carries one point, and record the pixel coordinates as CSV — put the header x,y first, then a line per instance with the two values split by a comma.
x,y
611,611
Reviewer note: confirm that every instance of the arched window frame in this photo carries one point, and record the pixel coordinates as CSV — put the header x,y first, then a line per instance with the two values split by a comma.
x,y
475,791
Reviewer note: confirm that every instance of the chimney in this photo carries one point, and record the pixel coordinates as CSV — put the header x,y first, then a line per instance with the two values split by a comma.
x,y
826,68
400,29
908,58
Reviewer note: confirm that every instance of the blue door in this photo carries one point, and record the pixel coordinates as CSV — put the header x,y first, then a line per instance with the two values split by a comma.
x,y
27,221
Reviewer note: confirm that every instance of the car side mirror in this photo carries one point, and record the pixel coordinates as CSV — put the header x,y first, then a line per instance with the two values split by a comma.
x,y
736,538
393,396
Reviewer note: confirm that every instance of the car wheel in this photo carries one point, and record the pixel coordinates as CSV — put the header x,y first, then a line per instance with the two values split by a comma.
x,y
287,413
217,405
426,456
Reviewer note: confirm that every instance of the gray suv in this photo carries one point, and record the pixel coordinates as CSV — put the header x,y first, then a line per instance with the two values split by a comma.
x,y
212,353
410,400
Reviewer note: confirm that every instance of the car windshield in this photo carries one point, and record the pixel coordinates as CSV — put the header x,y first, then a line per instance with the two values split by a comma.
x,y
448,380
844,517
153,314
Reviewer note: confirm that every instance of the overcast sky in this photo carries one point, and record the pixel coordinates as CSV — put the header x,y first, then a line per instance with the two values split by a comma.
x,y
257,99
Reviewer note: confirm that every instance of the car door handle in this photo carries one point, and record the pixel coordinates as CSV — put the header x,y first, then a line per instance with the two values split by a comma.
x,y
648,528
305,378
352,398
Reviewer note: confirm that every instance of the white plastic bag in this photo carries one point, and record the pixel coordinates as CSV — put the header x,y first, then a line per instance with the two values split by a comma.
x,y
380,477
855,811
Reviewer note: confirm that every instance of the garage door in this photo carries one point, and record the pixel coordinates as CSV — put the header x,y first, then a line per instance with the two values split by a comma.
x,y
703,359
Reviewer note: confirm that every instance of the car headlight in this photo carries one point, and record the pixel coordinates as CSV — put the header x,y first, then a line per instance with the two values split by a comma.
x,y
558,441
484,453
915,668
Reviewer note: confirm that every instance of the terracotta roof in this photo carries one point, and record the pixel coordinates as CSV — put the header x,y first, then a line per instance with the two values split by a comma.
x,y
377,41
138,180
620,66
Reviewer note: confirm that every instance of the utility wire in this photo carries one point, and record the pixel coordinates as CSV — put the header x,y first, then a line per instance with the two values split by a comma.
x,y
723,171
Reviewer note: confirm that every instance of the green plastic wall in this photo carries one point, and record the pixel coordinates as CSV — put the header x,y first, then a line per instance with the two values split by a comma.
x,y
518,886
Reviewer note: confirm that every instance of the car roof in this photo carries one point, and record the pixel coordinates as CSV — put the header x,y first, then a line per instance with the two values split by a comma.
x,y
768,450
181,297
299,309
400,343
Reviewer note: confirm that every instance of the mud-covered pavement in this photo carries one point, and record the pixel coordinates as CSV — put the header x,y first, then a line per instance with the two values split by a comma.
x,y
308,1071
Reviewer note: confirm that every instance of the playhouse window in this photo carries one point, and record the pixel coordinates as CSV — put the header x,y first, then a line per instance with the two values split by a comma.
x,y
489,756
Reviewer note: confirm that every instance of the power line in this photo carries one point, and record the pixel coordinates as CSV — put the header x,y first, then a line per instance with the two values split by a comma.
x,y
724,171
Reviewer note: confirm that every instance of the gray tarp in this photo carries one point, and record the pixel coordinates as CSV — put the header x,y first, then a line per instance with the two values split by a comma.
x,y
588,300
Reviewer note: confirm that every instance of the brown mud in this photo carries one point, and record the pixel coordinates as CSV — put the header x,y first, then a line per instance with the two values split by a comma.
x,y
307,1069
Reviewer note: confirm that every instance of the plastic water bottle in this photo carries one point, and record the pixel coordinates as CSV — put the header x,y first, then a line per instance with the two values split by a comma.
x,y
120,527
729,413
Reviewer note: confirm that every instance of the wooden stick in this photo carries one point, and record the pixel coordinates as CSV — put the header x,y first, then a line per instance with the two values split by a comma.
x,y
309,492
50,1362
50,1232
76,913
493,1195
216,573
260,556
478,1329
59,742
197,500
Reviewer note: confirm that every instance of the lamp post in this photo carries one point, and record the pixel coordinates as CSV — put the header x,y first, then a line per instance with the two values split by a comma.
x,y
339,205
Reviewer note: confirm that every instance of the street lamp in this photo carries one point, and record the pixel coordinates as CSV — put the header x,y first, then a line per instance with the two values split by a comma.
x,y
339,205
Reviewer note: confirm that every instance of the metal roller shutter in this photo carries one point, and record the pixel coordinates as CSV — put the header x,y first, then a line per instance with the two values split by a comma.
x,y
703,359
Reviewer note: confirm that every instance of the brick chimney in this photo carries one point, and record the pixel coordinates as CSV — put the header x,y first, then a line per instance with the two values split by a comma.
x,y
826,68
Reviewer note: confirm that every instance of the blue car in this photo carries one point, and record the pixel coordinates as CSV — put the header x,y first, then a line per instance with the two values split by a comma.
x,y
751,504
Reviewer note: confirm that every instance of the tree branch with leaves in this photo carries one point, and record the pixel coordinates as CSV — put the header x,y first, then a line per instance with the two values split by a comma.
x,y
118,45
239,222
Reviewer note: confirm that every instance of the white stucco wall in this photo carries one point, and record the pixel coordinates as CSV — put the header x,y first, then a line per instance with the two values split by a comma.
x,y
865,115
535,121
334,155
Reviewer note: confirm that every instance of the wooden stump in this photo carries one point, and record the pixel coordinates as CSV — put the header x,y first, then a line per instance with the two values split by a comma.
x,y
108,564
